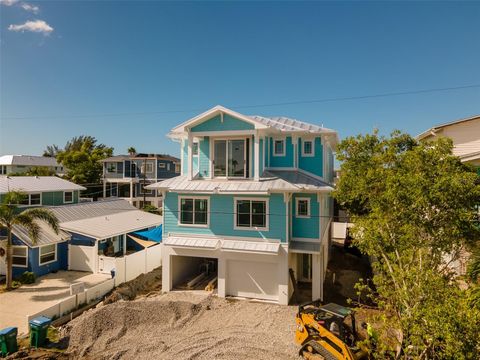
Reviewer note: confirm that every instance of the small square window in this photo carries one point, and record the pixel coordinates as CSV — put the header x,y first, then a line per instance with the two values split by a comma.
x,y
68,197
307,149
303,207
35,199
161,165
279,147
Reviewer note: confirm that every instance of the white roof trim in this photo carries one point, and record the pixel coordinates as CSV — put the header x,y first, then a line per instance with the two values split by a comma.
x,y
250,246
180,129
183,242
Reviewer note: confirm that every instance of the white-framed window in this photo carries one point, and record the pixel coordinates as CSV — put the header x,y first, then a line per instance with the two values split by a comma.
x,y
161,165
194,211
308,148
195,148
68,197
302,206
168,166
112,167
32,199
47,254
149,167
278,147
20,256
251,214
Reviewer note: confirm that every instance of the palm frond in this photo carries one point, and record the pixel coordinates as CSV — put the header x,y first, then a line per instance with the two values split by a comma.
x,y
29,223
43,215
13,198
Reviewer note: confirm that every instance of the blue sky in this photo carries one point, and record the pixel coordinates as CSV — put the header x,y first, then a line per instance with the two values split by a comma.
x,y
104,57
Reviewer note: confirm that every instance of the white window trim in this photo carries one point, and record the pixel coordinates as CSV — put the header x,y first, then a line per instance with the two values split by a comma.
x,y
144,191
297,200
112,171
284,146
162,165
312,154
212,157
26,256
30,200
146,168
48,262
179,223
65,201
198,148
267,215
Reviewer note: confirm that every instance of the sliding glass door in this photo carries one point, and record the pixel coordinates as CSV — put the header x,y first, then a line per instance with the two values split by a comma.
x,y
230,159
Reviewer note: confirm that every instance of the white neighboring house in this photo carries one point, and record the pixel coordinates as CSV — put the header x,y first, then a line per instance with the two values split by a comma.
x,y
465,134
10,164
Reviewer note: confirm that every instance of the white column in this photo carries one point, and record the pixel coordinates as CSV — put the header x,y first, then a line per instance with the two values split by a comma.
x,y
104,188
295,151
283,276
222,275
256,151
131,191
317,277
124,236
190,156
166,270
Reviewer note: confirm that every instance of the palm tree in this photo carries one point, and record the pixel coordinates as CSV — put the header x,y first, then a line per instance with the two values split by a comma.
x,y
132,151
11,215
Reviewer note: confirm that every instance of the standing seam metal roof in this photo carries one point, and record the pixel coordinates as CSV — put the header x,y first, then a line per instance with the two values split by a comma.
x,y
36,184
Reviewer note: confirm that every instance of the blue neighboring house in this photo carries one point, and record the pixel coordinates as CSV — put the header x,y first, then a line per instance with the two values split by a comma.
x,y
50,252
252,201
125,176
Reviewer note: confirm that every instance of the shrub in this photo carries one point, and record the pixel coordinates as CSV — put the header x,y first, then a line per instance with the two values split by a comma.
x,y
27,277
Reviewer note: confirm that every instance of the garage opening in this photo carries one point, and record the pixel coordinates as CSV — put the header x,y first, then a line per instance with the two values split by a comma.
x,y
194,273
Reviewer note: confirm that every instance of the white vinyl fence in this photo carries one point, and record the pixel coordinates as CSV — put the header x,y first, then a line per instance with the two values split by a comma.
x,y
126,268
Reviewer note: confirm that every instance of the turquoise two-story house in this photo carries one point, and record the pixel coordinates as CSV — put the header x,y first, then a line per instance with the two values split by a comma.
x,y
252,202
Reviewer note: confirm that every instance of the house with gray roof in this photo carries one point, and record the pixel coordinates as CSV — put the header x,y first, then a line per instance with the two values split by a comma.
x,y
252,202
19,164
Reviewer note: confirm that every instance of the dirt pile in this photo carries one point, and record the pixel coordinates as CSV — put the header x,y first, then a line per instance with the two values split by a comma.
x,y
144,284
181,326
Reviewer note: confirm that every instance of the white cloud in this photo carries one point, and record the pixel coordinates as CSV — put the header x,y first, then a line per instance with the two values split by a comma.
x,y
38,26
8,2
29,7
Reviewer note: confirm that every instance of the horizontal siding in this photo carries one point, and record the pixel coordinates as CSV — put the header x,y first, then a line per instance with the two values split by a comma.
x,y
312,164
204,156
285,161
306,227
229,123
222,218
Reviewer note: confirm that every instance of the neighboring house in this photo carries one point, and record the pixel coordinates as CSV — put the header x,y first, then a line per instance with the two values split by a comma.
x,y
252,202
92,236
49,253
465,134
125,176
18,164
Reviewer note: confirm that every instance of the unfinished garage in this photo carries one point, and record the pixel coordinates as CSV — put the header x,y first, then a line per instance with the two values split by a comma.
x,y
194,273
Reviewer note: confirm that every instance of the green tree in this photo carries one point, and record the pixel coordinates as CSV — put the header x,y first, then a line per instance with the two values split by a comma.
x,y
81,157
132,151
11,215
413,207
36,171
51,151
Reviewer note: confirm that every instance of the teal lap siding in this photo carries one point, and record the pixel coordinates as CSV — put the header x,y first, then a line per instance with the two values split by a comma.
x,y
282,161
229,123
306,227
312,164
222,217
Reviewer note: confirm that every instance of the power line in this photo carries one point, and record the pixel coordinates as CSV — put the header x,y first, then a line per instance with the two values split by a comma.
x,y
298,102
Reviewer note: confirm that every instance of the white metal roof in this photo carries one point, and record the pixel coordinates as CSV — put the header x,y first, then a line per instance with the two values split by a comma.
x,y
253,246
303,247
46,235
28,160
187,242
102,227
74,212
271,181
36,184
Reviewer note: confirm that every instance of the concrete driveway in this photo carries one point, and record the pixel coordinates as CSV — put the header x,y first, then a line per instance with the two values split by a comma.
x,y
46,291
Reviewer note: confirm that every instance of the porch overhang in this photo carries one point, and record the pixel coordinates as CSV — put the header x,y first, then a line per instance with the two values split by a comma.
x,y
255,247
303,247
192,243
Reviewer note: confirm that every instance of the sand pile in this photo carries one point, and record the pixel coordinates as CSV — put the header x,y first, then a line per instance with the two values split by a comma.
x,y
182,326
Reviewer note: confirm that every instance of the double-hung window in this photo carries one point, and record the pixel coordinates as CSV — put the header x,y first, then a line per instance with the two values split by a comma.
x,y
68,197
193,211
303,207
307,148
112,167
279,148
20,256
251,214
47,254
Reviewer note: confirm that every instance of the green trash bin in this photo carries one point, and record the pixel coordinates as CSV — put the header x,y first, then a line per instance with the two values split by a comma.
x,y
8,341
38,330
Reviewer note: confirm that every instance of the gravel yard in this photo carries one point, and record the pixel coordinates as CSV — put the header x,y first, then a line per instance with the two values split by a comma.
x,y
184,325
